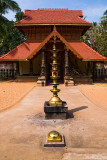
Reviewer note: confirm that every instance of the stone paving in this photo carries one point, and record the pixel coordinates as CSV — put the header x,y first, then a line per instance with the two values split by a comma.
x,y
23,128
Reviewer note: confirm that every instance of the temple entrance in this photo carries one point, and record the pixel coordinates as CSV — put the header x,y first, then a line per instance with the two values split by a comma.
x,y
61,58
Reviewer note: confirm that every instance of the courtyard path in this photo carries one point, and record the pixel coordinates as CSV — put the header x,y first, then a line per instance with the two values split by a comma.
x,y
11,92
23,128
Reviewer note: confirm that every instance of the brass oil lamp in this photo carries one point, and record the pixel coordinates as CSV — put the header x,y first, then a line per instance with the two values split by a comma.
x,y
54,139
54,136
55,108
55,100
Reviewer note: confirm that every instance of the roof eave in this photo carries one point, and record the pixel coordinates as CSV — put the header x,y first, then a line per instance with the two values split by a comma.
x,y
5,60
94,59
72,24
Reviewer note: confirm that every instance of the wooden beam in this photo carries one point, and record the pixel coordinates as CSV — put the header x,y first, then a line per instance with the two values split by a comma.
x,y
34,24
95,60
13,60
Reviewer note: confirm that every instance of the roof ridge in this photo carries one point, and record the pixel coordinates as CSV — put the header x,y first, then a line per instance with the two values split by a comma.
x,y
52,9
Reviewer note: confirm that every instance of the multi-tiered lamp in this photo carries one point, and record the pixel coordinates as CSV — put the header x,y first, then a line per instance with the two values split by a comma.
x,y
55,108
55,100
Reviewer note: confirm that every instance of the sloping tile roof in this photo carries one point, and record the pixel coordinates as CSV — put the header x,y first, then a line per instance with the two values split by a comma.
x,y
27,50
21,52
53,16
85,51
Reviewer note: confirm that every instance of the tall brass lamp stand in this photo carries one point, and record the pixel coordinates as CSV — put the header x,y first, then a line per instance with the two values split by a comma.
x,y
55,108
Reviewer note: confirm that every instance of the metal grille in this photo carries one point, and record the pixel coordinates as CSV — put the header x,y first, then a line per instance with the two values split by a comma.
x,y
100,73
7,73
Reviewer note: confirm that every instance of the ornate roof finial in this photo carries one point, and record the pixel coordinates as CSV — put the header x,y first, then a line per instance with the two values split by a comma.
x,y
54,28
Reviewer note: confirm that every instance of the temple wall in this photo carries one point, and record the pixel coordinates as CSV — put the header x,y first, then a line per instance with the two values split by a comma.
x,y
70,33
24,67
39,33
6,65
74,36
78,64
37,64
35,33
82,66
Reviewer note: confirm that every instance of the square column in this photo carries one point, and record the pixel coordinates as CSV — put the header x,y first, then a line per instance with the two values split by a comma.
x,y
42,79
68,80
17,69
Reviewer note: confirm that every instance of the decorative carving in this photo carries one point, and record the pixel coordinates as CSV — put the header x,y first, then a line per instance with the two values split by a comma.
x,y
66,64
43,67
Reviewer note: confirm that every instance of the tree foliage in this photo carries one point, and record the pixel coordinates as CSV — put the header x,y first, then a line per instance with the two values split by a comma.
x,y
19,15
10,36
96,36
6,5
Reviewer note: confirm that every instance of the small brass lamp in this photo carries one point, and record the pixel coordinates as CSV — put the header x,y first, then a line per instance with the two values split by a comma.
x,y
55,139
54,136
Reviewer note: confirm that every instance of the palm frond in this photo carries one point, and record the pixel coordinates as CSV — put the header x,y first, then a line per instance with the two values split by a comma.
x,y
6,5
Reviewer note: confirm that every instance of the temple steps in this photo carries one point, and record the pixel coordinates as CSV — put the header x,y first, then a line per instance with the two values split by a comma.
x,y
77,79
82,79
26,78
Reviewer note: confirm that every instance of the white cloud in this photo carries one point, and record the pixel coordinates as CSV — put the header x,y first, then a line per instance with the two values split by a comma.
x,y
94,13
10,15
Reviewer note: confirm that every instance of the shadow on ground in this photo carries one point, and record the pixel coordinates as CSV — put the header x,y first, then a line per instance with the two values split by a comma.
x,y
70,112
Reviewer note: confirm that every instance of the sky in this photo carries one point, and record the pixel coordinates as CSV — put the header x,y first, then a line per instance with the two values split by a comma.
x,y
92,9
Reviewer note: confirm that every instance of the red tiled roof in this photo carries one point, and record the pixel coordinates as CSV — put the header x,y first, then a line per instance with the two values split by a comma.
x,y
85,51
53,16
28,49
21,52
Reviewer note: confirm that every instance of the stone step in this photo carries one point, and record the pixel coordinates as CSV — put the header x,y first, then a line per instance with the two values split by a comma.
x,y
26,78
82,80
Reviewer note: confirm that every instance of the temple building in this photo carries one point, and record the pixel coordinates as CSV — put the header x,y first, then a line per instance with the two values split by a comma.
x,y
78,63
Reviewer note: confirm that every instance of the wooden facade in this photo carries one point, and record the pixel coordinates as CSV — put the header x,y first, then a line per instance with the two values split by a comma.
x,y
75,63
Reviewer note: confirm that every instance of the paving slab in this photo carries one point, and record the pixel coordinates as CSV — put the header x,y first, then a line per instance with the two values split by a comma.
x,y
23,128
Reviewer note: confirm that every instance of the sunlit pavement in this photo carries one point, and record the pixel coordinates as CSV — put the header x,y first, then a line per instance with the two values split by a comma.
x,y
23,128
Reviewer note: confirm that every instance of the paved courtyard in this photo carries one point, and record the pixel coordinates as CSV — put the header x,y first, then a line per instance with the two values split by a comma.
x,y
23,128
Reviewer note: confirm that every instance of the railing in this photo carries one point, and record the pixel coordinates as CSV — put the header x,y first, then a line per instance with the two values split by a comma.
x,y
100,73
7,74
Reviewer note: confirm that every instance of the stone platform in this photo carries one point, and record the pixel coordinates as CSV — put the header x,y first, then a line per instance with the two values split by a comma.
x,y
55,144
55,112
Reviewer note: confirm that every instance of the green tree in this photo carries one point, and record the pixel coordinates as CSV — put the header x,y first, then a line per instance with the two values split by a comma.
x,y
96,36
19,15
90,36
10,37
101,40
6,5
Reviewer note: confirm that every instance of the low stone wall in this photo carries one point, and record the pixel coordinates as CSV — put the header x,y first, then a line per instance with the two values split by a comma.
x,y
26,78
81,79
7,74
